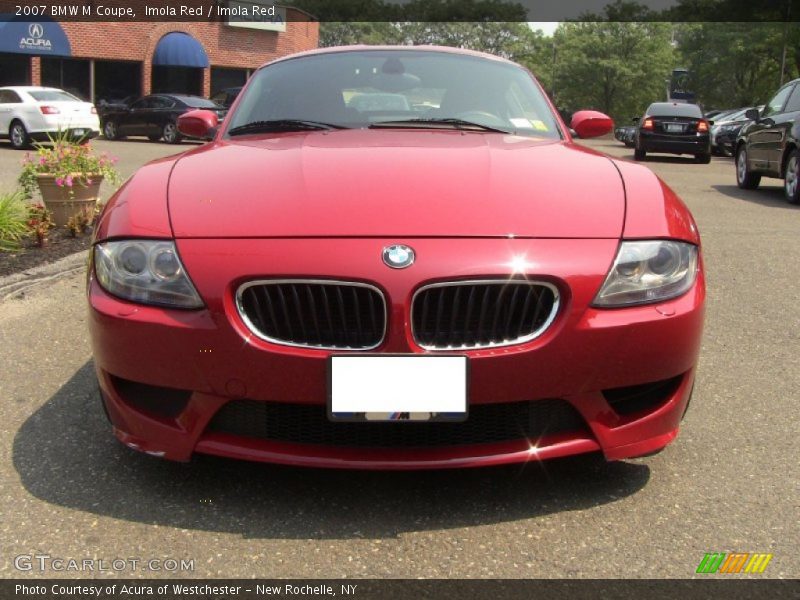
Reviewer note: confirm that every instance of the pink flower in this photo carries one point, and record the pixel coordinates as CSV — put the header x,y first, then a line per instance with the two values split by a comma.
x,y
69,181
42,160
60,181
88,182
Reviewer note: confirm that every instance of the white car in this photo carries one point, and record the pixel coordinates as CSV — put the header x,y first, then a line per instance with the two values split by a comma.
x,y
31,113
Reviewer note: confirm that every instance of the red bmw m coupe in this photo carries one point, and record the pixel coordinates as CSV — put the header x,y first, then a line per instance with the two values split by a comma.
x,y
395,258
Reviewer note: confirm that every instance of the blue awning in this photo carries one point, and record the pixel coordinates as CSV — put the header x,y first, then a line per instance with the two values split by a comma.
x,y
178,49
43,37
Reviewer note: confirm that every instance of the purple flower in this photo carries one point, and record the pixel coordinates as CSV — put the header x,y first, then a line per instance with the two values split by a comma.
x,y
68,181
60,181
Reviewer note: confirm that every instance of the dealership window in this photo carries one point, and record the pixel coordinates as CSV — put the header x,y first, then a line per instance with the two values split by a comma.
x,y
70,74
224,78
15,69
177,80
116,81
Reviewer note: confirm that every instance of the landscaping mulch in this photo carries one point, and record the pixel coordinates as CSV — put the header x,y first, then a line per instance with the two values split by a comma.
x,y
60,244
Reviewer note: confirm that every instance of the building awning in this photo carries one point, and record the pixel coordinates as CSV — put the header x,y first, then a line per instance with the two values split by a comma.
x,y
178,49
43,37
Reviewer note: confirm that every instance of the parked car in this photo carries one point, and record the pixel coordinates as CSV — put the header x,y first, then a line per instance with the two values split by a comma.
x,y
114,102
318,287
673,128
711,114
768,146
725,131
33,113
154,116
626,133
225,97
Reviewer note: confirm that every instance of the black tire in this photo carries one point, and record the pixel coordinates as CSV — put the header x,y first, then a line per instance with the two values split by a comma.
x,y
791,178
20,140
745,178
639,154
111,131
154,138
170,133
703,159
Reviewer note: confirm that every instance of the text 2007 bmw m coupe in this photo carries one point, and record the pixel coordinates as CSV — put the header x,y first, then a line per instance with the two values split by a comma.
x,y
439,278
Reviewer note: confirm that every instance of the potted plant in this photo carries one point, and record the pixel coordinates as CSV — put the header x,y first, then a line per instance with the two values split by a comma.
x,y
68,176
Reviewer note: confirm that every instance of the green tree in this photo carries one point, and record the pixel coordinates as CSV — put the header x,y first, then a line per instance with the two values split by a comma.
x,y
512,40
614,67
736,64
356,32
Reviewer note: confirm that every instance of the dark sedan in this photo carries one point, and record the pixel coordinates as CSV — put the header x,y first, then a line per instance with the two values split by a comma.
x,y
768,146
154,116
625,134
674,128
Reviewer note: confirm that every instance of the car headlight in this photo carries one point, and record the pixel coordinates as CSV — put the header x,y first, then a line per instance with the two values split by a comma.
x,y
145,271
645,272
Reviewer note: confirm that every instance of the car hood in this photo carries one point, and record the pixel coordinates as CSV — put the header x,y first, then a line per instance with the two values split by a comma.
x,y
396,183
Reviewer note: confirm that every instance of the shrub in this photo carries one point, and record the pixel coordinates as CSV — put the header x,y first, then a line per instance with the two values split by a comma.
x,y
14,218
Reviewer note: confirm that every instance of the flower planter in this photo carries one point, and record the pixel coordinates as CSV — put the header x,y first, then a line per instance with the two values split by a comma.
x,y
65,202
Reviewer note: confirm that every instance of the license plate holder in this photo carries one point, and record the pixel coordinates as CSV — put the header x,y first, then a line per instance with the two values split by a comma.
x,y
398,388
674,127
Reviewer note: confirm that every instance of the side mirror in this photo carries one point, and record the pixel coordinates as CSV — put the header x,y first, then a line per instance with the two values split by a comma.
x,y
753,114
710,123
200,124
590,123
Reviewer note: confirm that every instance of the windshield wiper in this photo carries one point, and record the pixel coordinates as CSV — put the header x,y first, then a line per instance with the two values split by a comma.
x,y
453,122
283,125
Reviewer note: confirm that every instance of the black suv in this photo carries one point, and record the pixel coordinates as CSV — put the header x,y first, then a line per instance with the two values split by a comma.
x,y
769,145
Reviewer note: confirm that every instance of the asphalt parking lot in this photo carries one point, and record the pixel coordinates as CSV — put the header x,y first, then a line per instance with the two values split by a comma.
x,y
729,483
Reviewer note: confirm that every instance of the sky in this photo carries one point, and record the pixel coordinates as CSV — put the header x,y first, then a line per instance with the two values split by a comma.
x,y
547,27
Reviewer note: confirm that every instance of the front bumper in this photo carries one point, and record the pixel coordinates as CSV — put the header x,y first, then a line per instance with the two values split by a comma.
x,y
211,355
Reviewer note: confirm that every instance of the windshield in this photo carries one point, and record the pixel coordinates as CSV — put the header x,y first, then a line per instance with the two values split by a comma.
x,y
369,87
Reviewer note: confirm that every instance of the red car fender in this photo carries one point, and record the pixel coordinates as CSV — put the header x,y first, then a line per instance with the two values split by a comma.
x,y
652,209
148,216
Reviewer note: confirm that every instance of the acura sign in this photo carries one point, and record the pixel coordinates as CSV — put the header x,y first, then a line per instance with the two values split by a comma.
x,y
36,39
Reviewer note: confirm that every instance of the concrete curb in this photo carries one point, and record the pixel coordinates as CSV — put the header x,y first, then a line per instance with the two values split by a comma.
x,y
17,284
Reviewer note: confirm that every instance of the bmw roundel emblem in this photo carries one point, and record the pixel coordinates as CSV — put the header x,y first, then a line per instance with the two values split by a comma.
x,y
398,256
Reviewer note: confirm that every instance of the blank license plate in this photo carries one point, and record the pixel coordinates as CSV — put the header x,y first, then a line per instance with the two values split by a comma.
x,y
674,127
397,388
79,131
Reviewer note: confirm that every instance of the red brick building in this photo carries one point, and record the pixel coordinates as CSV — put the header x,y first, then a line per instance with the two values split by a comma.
x,y
109,61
